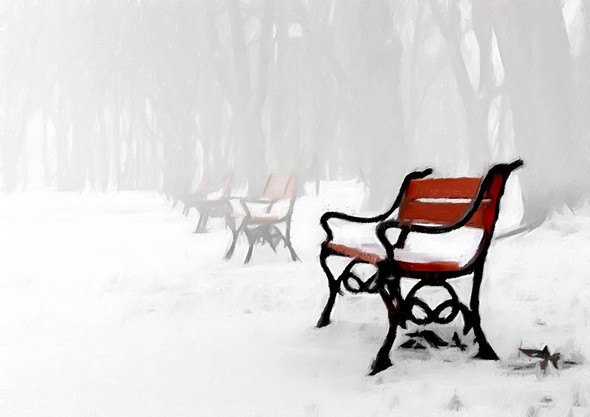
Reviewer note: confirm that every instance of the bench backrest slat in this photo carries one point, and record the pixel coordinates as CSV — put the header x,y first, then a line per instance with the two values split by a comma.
x,y
210,184
444,201
279,187
463,187
442,213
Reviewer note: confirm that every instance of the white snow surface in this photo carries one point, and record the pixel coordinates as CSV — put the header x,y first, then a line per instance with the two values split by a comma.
x,y
111,306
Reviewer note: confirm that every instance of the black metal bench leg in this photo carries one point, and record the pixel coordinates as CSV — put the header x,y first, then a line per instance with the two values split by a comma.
x,y
249,254
485,350
252,236
333,286
287,240
294,256
235,235
231,249
324,319
203,217
391,300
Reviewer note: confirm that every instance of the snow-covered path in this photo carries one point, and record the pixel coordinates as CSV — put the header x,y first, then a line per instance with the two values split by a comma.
x,y
110,306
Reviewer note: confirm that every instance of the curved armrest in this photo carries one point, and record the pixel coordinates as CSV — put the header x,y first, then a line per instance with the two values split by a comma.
x,y
347,217
250,204
343,216
357,219
276,210
381,235
407,227
215,195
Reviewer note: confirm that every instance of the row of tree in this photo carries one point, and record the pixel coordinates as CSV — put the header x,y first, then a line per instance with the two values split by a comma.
x,y
157,94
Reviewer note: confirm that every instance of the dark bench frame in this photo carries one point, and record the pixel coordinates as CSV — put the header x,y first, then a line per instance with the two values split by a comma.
x,y
389,272
265,229
208,207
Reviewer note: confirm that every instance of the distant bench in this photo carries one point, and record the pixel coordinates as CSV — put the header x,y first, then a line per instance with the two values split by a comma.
x,y
211,200
266,219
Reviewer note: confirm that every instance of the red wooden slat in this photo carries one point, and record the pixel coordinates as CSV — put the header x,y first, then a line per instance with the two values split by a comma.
x,y
440,266
366,254
443,213
463,187
279,186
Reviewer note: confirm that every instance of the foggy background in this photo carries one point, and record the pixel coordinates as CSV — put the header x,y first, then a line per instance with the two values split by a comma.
x,y
112,95
110,306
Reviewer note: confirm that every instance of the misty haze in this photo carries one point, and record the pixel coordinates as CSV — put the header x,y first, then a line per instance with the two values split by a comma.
x,y
164,166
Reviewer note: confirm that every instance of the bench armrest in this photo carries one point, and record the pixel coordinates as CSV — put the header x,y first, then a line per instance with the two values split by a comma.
x,y
379,218
251,205
330,215
461,246
262,208
382,235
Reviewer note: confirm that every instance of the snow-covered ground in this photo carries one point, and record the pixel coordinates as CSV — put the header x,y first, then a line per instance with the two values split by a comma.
x,y
111,306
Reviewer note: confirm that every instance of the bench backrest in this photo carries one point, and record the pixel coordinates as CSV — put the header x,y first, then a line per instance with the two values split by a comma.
x,y
209,184
280,187
440,201
446,201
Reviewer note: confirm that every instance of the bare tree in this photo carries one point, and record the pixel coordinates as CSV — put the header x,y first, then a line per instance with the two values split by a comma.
x,y
539,77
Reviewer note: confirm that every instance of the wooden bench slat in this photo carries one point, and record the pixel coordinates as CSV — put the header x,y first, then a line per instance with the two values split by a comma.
x,y
462,187
443,213
368,253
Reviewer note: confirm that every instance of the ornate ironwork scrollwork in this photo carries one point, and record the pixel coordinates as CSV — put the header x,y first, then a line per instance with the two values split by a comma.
x,y
355,284
431,315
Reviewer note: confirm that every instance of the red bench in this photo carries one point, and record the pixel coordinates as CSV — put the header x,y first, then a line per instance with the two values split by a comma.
x,y
211,200
267,219
426,209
